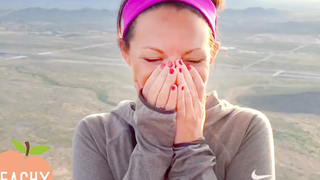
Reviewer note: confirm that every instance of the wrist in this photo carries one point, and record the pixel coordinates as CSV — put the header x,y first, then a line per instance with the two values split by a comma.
x,y
188,136
200,140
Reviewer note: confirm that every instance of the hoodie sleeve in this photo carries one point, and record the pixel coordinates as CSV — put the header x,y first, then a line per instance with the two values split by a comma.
x,y
193,162
254,160
255,157
155,131
88,160
150,159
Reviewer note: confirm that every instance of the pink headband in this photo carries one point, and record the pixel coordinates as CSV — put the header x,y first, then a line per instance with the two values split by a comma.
x,y
135,7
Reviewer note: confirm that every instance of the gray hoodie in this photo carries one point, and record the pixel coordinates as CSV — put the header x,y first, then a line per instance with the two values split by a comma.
x,y
239,145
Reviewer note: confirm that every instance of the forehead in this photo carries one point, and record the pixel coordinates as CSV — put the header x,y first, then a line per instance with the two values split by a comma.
x,y
171,25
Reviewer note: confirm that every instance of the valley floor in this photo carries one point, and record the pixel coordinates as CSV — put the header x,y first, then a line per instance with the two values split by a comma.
x,y
48,84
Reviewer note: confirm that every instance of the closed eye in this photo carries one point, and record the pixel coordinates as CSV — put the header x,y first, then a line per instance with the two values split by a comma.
x,y
194,60
152,60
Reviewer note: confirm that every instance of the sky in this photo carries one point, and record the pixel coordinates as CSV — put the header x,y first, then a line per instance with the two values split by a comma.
x,y
113,4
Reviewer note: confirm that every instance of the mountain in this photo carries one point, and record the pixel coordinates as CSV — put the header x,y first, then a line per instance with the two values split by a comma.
x,y
61,4
253,12
89,14
58,15
231,21
114,4
4,11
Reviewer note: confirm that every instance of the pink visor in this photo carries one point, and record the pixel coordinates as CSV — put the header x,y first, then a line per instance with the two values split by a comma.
x,y
133,8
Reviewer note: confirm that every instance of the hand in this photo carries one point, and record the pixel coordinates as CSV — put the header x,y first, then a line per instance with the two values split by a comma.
x,y
190,104
160,89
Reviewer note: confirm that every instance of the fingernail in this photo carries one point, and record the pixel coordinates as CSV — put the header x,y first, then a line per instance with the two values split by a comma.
x,y
162,66
182,88
180,70
173,88
171,71
189,67
180,62
170,64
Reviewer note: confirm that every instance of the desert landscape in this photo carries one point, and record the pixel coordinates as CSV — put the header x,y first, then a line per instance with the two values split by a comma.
x,y
56,68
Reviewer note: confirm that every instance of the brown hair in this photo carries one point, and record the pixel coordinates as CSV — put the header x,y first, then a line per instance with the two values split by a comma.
x,y
179,5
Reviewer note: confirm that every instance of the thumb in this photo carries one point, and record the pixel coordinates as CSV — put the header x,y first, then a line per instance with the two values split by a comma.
x,y
137,86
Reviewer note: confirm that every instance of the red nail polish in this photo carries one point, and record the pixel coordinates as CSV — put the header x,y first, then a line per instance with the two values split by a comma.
x,y
182,88
171,71
189,67
170,64
173,88
162,66
180,62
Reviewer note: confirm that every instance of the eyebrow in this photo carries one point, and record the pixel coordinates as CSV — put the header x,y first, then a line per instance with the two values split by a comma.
x,y
162,52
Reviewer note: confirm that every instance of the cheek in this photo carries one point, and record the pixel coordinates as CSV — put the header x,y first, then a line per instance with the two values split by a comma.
x,y
142,71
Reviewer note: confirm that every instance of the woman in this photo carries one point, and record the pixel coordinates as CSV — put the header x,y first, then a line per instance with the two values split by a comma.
x,y
174,130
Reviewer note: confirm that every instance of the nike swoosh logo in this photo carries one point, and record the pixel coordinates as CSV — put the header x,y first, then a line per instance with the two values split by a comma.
x,y
256,177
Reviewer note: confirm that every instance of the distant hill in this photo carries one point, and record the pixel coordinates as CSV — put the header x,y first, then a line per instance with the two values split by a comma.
x,y
61,4
231,21
89,14
253,13
114,4
58,16
4,11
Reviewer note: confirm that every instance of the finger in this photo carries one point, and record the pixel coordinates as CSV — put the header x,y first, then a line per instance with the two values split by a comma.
x,y
172,101
182,68
165,90
189,101
181,111
198,82
157,85
182,79
187,97
151,79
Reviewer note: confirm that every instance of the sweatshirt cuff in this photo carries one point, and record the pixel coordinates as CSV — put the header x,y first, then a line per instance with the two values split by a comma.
x,y
151,107
196,142
155,128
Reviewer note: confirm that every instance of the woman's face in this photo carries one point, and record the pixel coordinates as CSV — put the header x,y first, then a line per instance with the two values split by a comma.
x,y
167,34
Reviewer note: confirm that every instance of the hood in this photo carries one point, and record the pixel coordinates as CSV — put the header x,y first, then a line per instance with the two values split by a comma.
x,y
216,108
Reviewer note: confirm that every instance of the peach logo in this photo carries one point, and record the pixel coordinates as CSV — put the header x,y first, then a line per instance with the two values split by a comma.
x,y
16,166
